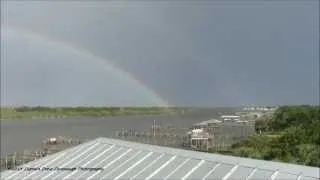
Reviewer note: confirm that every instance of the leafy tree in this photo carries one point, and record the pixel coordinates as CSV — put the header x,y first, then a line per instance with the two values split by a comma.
x,y
297,139
262,124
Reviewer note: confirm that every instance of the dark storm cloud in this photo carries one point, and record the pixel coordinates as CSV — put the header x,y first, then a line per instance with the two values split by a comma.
x,y
194,54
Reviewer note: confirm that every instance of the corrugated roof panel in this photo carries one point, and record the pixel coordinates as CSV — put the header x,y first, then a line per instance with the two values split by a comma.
x,y
242,171
220,171
125,165
185,168
154,166
141,166
122,166
309,178
177,163
127,160
108,161
73,160
261,175
107,153
80,162
282,176
111,165
201,171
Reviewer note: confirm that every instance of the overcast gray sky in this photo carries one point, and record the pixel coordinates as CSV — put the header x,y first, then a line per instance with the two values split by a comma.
x,y
188,53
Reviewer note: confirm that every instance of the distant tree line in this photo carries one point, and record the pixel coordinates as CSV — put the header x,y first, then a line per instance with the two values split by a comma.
x,y
84,108
40,111
290,135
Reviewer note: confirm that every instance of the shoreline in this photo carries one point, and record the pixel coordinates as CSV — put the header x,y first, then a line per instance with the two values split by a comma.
x,y
71,117
21,113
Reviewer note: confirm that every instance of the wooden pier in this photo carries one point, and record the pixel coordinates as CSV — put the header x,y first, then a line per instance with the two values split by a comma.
x,y
47,147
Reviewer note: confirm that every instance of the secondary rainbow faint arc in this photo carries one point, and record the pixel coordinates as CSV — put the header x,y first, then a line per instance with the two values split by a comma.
x,y
84,52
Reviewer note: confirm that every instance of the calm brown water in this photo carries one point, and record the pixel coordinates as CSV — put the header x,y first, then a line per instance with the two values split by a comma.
x,y
28,134
19,135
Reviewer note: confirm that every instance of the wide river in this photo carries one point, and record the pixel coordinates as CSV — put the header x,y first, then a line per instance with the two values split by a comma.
x,y
20,135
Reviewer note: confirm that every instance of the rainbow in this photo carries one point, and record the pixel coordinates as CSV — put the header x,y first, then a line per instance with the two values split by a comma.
x,y
107,65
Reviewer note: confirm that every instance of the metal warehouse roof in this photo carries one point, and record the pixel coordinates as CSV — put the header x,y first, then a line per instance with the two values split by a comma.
x,y
128,160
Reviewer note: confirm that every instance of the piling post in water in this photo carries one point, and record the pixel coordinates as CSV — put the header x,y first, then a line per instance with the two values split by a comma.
x,y
14,160
23,156
154,128
6,162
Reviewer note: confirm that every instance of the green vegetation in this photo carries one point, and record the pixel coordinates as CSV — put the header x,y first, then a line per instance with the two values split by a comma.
x,y
62,112
290,135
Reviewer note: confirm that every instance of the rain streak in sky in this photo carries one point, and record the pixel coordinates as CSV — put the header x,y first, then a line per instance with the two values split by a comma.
x,y
159,53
